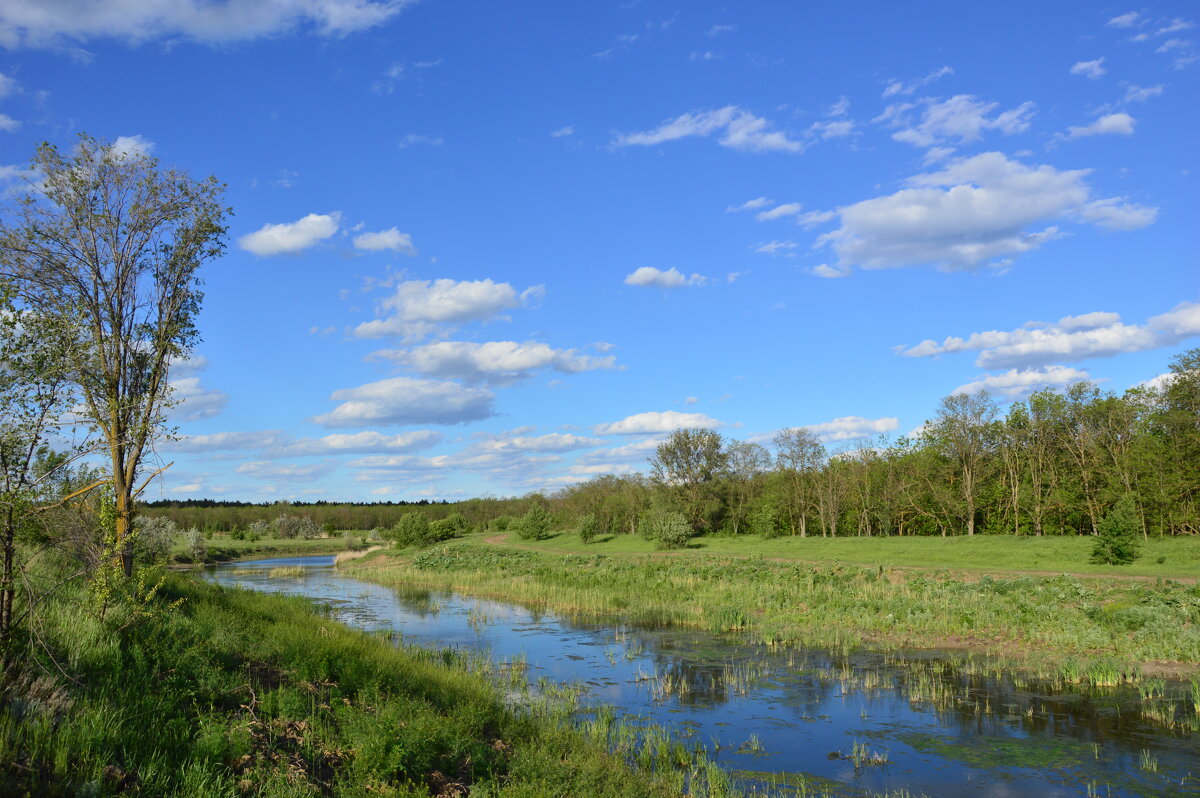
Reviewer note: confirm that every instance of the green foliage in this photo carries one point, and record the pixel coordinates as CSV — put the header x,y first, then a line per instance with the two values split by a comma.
x,y
667,528
588,527
153,538
535,524
1119,541
296,526
413,529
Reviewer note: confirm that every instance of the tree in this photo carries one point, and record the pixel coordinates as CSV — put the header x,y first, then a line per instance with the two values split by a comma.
x,y
112,243
34,393
747,463
690,464
964,433
800,455
1117,540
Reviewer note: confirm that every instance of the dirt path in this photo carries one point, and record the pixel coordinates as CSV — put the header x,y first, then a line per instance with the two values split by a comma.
x,y
504,540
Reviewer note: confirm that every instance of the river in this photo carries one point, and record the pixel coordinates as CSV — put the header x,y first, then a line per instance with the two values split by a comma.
x,y
927,722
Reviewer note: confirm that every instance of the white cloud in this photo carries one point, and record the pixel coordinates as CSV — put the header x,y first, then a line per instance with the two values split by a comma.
x,y
291,237
602,459
1071,338
973,211
777,248
839,108
8,124
1015,383
961,118
812,219
398,72
1110,124
895,87
557,442
404,400
1129,20
1157,383
391,239
133,145
779,211
226,441
265,469
848,428
275,443
749,205
1089,69
418,306
497,362
568,130
7,85
51,23
717,30
830,272
833,130
741,131
650,277
1137,94
195,402
650,423
413,139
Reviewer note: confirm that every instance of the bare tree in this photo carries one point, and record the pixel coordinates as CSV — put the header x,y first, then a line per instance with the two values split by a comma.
x,y
106,238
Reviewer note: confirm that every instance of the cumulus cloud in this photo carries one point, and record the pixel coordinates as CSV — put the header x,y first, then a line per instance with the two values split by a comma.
x,y
265,469
276,444
973,211
1016,383
1089,69
738,129
195,402
1120,124
495,362
961,119
391,239
651,423
1071,338
418,306
895,86
830,272
291,237
404,400
848,428
136,145
777,248
1137,94
51,23
650,277
568,130
556,442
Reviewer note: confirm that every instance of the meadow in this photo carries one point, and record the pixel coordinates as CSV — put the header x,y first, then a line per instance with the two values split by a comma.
x,y
1073,624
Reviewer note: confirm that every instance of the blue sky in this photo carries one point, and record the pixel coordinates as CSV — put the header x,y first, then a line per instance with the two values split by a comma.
x,y
489,248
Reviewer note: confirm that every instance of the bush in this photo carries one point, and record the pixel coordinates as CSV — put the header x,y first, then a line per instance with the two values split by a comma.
x,y
258,530
502,523
197,546
1119,542
296,526
589,527
154,538
414,529
668,529
535,524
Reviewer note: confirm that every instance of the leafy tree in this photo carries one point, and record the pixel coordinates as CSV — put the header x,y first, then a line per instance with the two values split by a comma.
x,y
963,432
667,528
106,241
413,529
800,455
1119,539
689,465
588,527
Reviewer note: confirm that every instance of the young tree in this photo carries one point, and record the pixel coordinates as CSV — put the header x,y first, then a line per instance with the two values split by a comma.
x,y
111,242
800,455
963,432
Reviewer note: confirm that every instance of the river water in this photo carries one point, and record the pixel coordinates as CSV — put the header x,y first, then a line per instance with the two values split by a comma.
x,y
851,723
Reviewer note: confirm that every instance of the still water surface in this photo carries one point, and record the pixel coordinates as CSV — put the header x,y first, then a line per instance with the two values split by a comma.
x,y
776,717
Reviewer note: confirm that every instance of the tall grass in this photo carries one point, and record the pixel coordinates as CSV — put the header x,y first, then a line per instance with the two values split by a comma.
x,y
1109,627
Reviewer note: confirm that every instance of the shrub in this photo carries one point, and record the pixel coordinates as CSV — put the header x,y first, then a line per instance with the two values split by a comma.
x,y
258,530
667,528
589,527
502,523
155,535
296,526
197,546
1118,543
535,524
413,529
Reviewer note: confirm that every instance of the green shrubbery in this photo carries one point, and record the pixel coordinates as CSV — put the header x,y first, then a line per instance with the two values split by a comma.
x,y
535,524
1119,542
415,529
667,528
588,527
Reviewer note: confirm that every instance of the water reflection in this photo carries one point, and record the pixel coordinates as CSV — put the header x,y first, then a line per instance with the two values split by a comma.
x,y
925,722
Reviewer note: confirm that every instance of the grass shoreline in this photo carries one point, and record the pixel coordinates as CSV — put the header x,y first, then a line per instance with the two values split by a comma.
x,y
1045,625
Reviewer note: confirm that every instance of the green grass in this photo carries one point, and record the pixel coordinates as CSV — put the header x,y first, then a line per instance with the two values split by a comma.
x,y
1102,626
236,693
981,553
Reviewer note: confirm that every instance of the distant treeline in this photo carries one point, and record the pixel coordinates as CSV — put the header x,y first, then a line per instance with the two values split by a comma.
x,y
1054,464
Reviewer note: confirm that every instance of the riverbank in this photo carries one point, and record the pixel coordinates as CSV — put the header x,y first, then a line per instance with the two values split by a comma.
x,y
226,549
1067,628
205,691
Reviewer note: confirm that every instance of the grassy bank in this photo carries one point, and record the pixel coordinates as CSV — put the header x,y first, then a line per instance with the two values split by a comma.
x,y
234,693
1084,628
1168,558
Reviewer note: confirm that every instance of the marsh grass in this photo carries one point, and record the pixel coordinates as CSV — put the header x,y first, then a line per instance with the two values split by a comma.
x,y
1096,632
239,693
287,572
